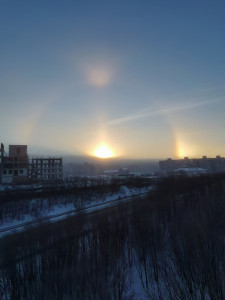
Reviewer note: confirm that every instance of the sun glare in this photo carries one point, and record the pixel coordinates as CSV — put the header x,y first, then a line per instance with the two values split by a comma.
x,y
103,152
185,149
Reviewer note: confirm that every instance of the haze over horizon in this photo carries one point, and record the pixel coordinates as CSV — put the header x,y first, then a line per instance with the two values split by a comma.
x,y
144,79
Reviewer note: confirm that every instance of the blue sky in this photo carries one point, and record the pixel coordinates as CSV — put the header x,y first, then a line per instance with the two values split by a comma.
x,y
145,78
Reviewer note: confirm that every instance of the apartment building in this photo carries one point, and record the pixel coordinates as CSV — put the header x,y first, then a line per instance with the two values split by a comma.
x,y
210,165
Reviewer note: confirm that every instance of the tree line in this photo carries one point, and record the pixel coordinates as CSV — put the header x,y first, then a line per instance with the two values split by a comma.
x,y
17,205
169,245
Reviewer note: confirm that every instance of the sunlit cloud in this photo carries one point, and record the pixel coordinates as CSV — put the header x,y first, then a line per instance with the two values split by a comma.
x,y
160,111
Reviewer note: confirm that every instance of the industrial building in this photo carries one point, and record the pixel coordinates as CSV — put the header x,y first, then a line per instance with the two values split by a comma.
x,y
18,168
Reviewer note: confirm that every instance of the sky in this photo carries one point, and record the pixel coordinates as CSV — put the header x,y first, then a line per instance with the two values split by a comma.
x,y
144,78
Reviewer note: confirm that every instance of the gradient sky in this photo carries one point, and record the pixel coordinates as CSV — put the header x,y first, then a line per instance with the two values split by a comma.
x,y
146,78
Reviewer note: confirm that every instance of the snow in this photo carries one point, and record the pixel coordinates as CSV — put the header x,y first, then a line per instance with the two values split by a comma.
x,y
92,204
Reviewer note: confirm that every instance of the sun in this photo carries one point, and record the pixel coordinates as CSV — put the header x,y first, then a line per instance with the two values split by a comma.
x,y
103,152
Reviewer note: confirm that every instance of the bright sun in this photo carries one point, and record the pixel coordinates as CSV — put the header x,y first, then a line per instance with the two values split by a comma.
x,y
103,152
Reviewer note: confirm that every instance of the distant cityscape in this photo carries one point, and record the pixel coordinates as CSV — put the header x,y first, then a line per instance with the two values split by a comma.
x,y
17,167
192,165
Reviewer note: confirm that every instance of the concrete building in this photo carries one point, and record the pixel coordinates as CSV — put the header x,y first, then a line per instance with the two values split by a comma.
x,y
43,169
14,167
17,168
190,171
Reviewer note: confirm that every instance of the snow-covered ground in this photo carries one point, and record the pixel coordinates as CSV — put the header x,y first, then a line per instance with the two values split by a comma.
x,y
45,211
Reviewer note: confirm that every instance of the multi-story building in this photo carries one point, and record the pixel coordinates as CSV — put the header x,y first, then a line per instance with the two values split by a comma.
x,y
46,169
14,167
210,165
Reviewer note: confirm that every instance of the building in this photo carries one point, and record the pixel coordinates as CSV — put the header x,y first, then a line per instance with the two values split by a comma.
x,y
43,169
210,165
17,168
190,171
14,167
119,172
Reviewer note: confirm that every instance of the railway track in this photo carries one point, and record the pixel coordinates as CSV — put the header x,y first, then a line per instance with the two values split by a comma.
x,y
88,209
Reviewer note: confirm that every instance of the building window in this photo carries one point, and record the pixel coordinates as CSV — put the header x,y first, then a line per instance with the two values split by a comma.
x,y
10,171
4,172
21,171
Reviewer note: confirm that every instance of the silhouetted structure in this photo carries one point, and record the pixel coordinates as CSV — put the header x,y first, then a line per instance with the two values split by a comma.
x,y
119,172
210,165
